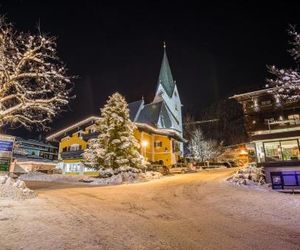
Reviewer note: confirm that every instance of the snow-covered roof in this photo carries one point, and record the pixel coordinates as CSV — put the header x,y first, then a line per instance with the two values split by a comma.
x,y
63,131
252,93
159,131
140,125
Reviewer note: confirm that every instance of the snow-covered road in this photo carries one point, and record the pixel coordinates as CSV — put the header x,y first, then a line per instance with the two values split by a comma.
x,y
192,211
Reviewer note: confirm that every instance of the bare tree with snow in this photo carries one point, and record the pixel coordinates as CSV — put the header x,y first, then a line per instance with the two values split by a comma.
x,y
203,149
286,82
34,85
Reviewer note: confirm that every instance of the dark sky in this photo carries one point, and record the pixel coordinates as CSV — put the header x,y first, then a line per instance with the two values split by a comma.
x,y
215,49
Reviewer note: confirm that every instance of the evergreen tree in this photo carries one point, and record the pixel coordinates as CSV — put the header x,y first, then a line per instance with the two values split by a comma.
x,y
116,145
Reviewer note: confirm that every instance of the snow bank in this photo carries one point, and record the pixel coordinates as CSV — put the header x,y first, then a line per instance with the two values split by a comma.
x,y
38,176
150,175
107,177
248,176
16,190
124,175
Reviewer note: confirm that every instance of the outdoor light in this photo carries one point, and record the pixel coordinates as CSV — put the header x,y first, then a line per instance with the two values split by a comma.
x,y
243,152
144,143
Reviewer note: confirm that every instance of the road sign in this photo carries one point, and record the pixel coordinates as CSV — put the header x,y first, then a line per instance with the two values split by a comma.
x,y
6,151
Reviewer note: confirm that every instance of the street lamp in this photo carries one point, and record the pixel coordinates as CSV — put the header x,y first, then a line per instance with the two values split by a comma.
x,y
144,144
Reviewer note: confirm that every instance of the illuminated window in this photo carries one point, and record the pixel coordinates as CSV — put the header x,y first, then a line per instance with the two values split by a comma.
x,y
273,151
75,147
282,150
290,150
265,103
158,144
294,117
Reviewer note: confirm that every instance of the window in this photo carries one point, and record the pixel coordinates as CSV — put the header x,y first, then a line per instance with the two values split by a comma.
x,y
282,150
75,147
272,151
290,150
294,117
266,102
176,108
158,144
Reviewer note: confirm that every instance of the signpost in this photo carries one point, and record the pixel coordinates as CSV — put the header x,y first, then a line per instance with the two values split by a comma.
x,y
6,151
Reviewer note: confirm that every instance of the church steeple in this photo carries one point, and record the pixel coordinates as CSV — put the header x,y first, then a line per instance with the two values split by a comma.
x,y
165,75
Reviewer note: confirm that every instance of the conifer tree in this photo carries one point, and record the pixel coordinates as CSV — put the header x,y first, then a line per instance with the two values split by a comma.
x,y
115,145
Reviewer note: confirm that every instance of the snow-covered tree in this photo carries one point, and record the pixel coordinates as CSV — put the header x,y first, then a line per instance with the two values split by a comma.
x,y
286,82
203,149
33,82
115,145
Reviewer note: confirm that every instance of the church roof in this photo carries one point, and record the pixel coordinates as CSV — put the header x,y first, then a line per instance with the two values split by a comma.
x,y
165,75
150,113
134,108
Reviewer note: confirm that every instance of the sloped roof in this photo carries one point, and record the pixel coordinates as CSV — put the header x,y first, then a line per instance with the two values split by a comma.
x,y
165,117
165,77
82,123
134,108
150,113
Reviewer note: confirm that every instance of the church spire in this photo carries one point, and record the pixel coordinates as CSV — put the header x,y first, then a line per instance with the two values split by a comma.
x,y
165,75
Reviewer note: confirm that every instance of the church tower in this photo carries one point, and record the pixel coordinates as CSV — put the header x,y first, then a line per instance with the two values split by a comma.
x,y
168,93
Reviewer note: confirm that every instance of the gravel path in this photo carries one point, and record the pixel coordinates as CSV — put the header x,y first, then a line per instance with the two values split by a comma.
x,y
192,211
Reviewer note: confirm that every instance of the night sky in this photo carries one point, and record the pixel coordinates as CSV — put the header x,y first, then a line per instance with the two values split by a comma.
x,y
215,50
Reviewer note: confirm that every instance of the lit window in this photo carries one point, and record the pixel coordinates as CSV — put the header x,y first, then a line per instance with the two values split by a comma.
x,y
294,117
290,150
273,151
74,147
267,102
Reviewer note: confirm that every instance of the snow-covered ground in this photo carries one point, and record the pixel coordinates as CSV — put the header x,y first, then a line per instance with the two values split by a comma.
x,y
191,211
117,178
14,189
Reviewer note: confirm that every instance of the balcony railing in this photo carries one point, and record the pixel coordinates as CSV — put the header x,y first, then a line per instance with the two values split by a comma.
x,y
71,154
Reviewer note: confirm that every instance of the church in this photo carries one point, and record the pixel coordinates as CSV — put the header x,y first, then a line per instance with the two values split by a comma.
x,y
159,127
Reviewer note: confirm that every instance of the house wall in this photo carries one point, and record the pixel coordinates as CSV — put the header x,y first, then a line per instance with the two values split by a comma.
x,y
163,152
74,139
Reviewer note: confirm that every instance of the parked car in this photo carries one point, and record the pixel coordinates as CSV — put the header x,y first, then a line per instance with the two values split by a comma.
x,y
182,169
230,164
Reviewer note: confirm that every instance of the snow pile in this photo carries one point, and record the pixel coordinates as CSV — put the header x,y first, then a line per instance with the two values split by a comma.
x,y
150,175
16,190
38,176
248,175
119,175
107,176
123,175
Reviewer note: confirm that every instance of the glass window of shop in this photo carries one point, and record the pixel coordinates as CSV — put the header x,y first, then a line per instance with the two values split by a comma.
x,y
273,151
282,150
290,150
